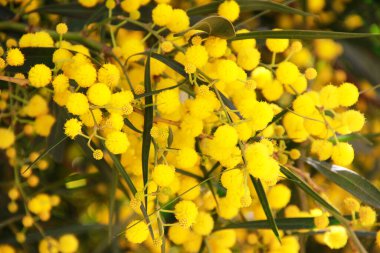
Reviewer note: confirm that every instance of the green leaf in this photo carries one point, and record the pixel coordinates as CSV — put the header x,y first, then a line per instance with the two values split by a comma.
x,y
148,123
176,66
123,173
332,210
265,205
247,6
131,126
350,181
282,223
300,34
214,26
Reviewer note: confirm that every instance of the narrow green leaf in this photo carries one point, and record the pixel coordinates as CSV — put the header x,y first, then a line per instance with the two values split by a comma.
x,y
43,154
155,92
265,205
247,6
148,123
350,181
282,223
176,66
332,210
300,34
214,26
123,173
131,126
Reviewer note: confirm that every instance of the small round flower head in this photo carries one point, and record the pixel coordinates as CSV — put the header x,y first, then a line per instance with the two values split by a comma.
x,y
60,83
61,28
186,158
321,221
367,216
311,73
336,237
353,119
110,4
351,204
88,3
73,127
163,174
48,245
137,231
15,57
167,46
68,243
295,154
77,104
226,136
85,75
117,142
7,138
99,94
229,9
190,68
329,96
277,45
162,14
287,72
227,70
109,74
196,55
248,58
322,148
203,224
178,234
179,21
279,196
348,94
186,213
216,47
343,154
168,101
97,154
39,75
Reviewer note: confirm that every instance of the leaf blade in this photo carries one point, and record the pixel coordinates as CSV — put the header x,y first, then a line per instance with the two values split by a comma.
x,y
348,180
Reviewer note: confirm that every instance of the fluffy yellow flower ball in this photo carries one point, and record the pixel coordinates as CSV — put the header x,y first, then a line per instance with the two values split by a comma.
x,y
85,75
73,127
203,224
36,106
216,47
186,158
163,174
287,72
227,70
131,46
43,124
248,58
186,213
99,94
178,234
15,57
77,104
322,148
197,55
343,154
329,96
48,245
348,94
61,28
7,138
68,243
162,14
279,196
61,83
277,45
117,142
321,221
179,21
130,5
39,75
88,3
229,9
168,101
137,231
336,237
226,136
5,248
232,179
109,74
367,216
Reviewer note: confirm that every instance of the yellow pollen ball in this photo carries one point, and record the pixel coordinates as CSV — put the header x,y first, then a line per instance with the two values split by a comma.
x,y
336,237
367,216
99,94
7,138
73,127
85,75
15,57
163,174
351,204
179,21
117,142
39,75
61,28
68,243
97,154
77,104
137,231
329,97
197,55
321,221
343,154
229,9
109,74
348,94
287,72
186,213
162,14
277,45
